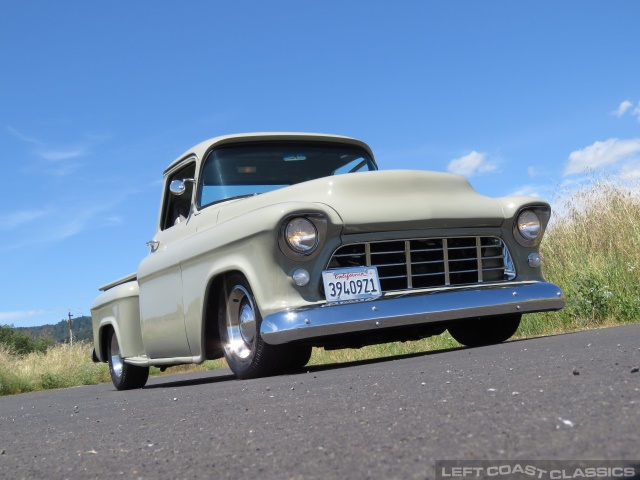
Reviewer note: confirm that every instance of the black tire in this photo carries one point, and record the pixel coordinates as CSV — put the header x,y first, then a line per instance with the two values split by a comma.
x,y
295,357
247,355
123,375
485,331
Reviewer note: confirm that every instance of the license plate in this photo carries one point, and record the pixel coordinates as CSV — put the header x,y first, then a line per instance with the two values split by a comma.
x,y
351,284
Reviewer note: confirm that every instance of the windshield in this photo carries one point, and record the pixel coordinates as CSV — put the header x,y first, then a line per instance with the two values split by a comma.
x,y
241,170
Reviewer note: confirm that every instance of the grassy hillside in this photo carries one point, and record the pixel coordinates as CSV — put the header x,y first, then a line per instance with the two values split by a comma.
x,y
592,250
59,333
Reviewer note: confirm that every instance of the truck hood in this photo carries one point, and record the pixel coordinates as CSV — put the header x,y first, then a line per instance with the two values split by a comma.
x,y
386,201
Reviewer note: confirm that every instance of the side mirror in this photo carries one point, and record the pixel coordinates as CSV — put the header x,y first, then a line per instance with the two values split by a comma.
x,y
178,187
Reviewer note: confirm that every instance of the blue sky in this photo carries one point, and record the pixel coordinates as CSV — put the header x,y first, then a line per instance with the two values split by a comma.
x,y
96,99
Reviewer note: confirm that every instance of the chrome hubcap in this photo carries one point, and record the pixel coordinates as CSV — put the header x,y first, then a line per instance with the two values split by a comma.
x,y
116,360
241,322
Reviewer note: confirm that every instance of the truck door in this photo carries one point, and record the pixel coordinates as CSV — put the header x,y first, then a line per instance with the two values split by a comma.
x,y
160,273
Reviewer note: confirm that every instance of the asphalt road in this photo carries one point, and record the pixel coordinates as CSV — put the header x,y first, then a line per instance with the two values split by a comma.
x,y
574,396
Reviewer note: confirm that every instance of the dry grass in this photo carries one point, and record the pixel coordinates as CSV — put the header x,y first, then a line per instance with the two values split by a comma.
x,y
65,366
591,250
61,366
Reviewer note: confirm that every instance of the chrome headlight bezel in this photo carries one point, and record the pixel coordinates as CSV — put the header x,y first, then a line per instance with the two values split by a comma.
x,y
530,223
301,235
316,227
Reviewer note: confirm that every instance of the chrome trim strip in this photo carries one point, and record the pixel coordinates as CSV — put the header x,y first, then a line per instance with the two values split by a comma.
x,y
144,361
410,309
129,278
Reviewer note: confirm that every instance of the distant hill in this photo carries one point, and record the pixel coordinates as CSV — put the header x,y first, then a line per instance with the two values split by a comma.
x,y
59,333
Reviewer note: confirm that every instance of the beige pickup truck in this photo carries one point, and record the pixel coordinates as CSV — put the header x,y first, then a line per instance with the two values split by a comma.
x,y
268,244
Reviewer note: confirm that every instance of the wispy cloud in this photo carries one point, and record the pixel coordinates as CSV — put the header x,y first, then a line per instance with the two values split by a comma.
x,y
528,191
59,160
602,154
6,316
22,137
88,217
17,219
472,164
60,155
62,222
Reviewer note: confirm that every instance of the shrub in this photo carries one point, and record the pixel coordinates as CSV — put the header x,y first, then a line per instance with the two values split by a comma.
x,y
19,343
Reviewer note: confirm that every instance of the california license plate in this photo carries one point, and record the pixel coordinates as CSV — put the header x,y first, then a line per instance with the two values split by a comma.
x,y
351,284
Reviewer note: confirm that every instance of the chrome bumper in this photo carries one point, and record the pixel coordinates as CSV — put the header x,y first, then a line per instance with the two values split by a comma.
x,y
410,309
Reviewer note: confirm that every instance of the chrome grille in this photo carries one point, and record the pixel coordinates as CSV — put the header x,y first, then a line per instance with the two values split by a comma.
x,y
430,262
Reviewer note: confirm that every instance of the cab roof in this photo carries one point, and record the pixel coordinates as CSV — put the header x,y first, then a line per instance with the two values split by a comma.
x,y
201,149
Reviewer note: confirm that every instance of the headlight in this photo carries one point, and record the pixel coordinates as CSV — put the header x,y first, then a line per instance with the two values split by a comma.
x,y
529,225
301,236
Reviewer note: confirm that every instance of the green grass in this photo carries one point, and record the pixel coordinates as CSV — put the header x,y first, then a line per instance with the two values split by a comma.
x,y
591,250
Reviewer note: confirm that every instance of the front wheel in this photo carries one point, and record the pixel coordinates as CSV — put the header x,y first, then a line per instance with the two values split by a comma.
x,y
123,375
485,331
247,355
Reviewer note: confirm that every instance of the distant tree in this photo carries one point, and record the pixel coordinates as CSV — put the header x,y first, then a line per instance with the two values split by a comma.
x,y
59,332
19,343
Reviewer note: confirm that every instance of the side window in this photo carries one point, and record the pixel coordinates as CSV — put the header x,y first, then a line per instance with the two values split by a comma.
x,y
176,208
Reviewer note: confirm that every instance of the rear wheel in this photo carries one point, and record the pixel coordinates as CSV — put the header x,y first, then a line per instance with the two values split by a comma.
x,y
247,355
485,331
123,375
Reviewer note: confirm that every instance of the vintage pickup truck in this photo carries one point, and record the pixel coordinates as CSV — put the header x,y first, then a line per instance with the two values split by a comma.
x,y
268,244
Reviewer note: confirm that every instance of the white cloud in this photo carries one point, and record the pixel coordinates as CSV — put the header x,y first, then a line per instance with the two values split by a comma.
x,y
631,171
636,111
472,164
602,154
622,108
625,107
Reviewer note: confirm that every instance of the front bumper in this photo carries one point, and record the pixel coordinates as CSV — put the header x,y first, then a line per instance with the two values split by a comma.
x,y
414,308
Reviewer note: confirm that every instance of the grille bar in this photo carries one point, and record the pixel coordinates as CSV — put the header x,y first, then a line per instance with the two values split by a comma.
x,y
407,254
479,259
445,255
430,262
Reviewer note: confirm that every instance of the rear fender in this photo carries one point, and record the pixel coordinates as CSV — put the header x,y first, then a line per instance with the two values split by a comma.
x,y
118,308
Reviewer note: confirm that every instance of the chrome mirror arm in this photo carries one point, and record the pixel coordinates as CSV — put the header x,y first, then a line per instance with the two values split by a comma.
x,y
178,187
